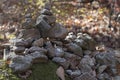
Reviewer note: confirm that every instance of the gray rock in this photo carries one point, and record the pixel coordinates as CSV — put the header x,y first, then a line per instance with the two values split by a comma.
x,y
85,68
19,50
54,51
59,52
116,78
117,53
48,19
43,27
86,64
58,43
46,12
25,43
87,52
38,57
109,60
58,59
72,59
39,42
106,59
61,61
20,43
58,31
35,48
70,37
29,42
74,73
70,56
101,69
85,41
50,49
20,64
104,76
85,76
75,49
81,43
88,61
74,63
25,33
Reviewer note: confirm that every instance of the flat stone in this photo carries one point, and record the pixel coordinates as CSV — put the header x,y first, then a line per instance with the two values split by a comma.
x,y
35,48
58,31
38,57
39,42
25,33
58,59
54,51
74,73
106,58
61,61
104,76
19,50
85,76
20,63
70,56
73,47
102,68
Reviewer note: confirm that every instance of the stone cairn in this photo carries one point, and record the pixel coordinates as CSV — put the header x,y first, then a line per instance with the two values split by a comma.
x,y
49,40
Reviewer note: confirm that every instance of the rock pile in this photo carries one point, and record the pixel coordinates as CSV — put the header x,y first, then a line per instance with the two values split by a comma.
x,y
51,41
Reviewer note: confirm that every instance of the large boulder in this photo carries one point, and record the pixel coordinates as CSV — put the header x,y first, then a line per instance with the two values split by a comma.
x,y
20,63
58,31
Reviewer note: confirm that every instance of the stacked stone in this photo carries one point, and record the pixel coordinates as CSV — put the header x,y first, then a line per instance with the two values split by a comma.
x,y
73,52
48,27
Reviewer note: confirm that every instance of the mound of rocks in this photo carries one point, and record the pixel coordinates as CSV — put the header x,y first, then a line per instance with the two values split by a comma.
x,y
75,53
